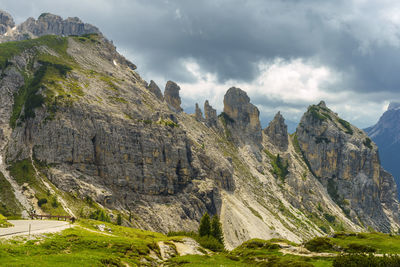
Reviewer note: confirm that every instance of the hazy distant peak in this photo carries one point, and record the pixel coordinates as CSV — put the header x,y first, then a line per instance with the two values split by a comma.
x,y
394,106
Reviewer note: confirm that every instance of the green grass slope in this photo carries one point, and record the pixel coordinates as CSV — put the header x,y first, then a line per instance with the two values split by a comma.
x,y
86,245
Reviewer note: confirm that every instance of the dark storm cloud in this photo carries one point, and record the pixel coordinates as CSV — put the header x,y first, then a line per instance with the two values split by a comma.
x,y
230,38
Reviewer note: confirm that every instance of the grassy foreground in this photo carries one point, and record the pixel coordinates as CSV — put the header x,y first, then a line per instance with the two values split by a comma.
x,y
86,245
83,245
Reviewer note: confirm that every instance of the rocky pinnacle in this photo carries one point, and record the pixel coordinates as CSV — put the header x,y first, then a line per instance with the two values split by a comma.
x,y
277,132
153,87
171,96
242,117
198,113
210,115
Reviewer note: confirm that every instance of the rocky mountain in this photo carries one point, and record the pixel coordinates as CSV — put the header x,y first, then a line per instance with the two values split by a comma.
x,y
386,134
6,22
346,162
46,24
81,129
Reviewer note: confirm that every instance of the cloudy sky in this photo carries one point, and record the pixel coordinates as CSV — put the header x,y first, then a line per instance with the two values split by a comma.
x,y
287,54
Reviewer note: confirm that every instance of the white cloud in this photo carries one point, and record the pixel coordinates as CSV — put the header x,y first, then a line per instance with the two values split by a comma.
x,y
286,86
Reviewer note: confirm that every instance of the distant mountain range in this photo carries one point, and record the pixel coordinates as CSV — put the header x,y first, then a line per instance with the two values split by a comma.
x,y
386,134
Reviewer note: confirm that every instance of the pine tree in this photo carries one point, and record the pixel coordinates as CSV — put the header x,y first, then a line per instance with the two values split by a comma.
x,y
119,219
205,225
216,229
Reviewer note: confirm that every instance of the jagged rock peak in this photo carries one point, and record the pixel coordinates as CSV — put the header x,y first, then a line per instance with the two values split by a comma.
x,y
210,115
153,87
277,132
171,96
46,24
243,116
52,24
394,106
198,113
236,97
322,104
6,22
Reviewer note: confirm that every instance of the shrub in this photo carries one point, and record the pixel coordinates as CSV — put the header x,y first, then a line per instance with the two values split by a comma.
x,y
99,215
330,218
54,202
42,201
316,114
355,247
89,200
259,243
319,244
112,261
368,143
346,125
210,243
279,166
360,260
323,229
182,233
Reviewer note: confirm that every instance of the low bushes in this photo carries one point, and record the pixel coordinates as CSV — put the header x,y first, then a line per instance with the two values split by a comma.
x,y
319,244
361,260
3,222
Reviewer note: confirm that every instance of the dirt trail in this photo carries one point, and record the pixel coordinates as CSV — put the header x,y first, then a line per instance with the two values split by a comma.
x,y
303,252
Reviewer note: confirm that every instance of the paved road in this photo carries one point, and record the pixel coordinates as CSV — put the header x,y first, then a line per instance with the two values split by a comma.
x,y
21,227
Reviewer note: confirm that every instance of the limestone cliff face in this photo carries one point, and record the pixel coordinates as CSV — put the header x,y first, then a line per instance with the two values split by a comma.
x,y
241,117
346,161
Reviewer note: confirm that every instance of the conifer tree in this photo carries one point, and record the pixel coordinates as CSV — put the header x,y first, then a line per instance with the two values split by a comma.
x,y
205,225
216,229
119,219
